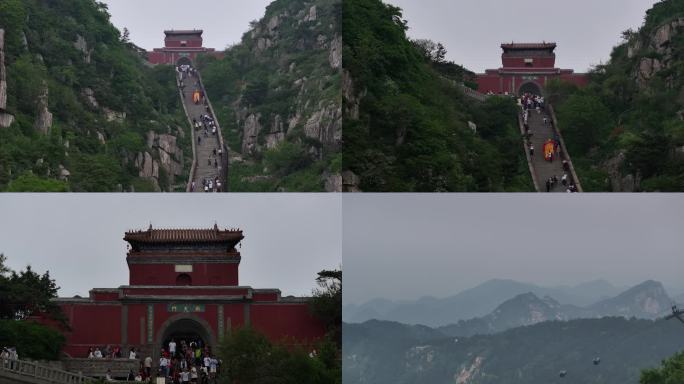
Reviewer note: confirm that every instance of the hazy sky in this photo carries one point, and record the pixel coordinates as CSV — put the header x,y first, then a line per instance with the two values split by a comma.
x,y
223,21
405,246
473,30
79,237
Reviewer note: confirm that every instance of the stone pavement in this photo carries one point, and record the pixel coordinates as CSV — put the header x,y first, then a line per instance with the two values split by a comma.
x,y
209,166
544,169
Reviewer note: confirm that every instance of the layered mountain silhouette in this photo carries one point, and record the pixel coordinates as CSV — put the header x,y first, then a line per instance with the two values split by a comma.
x,y
592,299
647,300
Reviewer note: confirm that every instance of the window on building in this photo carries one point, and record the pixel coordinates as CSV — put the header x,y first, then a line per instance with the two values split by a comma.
x,y
184,43
183,279
529,62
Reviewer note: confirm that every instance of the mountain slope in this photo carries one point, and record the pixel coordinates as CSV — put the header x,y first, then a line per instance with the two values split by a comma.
x,y
277,95
408,125
522,310
88,113
646,300
532,354
626,128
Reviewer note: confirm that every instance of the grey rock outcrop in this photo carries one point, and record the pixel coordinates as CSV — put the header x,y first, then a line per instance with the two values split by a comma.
x,y
170,154
82,45
333,182
43,121
325,125
250,134
6,119
350,182
618,181
335,56
89,95
276,134
110,115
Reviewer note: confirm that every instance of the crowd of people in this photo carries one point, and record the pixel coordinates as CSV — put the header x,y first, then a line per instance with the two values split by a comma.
x,y
205,127
180,362
188,362
552,148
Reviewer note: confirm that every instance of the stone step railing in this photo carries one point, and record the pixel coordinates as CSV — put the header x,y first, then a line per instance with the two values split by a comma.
x,y
193,167
473,94
28,371
566,154
224,159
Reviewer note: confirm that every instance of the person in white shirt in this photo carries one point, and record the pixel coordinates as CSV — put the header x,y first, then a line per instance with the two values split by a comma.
x,y
193,374
212,367
172,347
164,365
98,353
132,354
185,376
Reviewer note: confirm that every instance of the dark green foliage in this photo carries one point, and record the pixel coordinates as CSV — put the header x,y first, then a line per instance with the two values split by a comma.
x,y
32,340
386,352
670,372
619,115
250,358
28,182
26,293
293,77
327,302
412,132
112,69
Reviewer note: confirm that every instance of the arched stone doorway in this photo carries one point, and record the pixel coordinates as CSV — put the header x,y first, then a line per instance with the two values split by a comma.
x,y
530,87
184,61
184,326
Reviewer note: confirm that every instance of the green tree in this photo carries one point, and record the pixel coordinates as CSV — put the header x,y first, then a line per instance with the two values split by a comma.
x,y
670,372
250,358
327,302
28,182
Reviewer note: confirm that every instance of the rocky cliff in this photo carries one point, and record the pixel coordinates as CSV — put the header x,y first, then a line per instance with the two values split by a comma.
x,y
6,119
626,128
80,109
278,92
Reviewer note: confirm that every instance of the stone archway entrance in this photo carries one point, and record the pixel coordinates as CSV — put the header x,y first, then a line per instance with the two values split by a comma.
x,y
530,87
184,61
184,327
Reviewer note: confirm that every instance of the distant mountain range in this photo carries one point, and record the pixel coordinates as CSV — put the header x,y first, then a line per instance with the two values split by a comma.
x,y
390,352
647,300
592,299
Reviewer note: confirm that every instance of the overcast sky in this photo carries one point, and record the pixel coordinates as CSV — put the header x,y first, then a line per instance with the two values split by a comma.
x,y
473,30
405,246
223,21
79,237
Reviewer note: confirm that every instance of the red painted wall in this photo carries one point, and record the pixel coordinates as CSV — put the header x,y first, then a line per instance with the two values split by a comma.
x,y
537,62
283,321
91,324
176,43
165,274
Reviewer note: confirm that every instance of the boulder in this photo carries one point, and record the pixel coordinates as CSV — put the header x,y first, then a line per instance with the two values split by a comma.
x,y
43,121
333,182
335,56
350,182
325,125
250,134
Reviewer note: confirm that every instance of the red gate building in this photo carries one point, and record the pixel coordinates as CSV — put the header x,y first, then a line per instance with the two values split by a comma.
x,y
183,283
180,47
526,68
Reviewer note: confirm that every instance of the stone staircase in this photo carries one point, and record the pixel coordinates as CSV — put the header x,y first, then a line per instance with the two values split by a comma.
x,y
542,169
206,165
99,367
